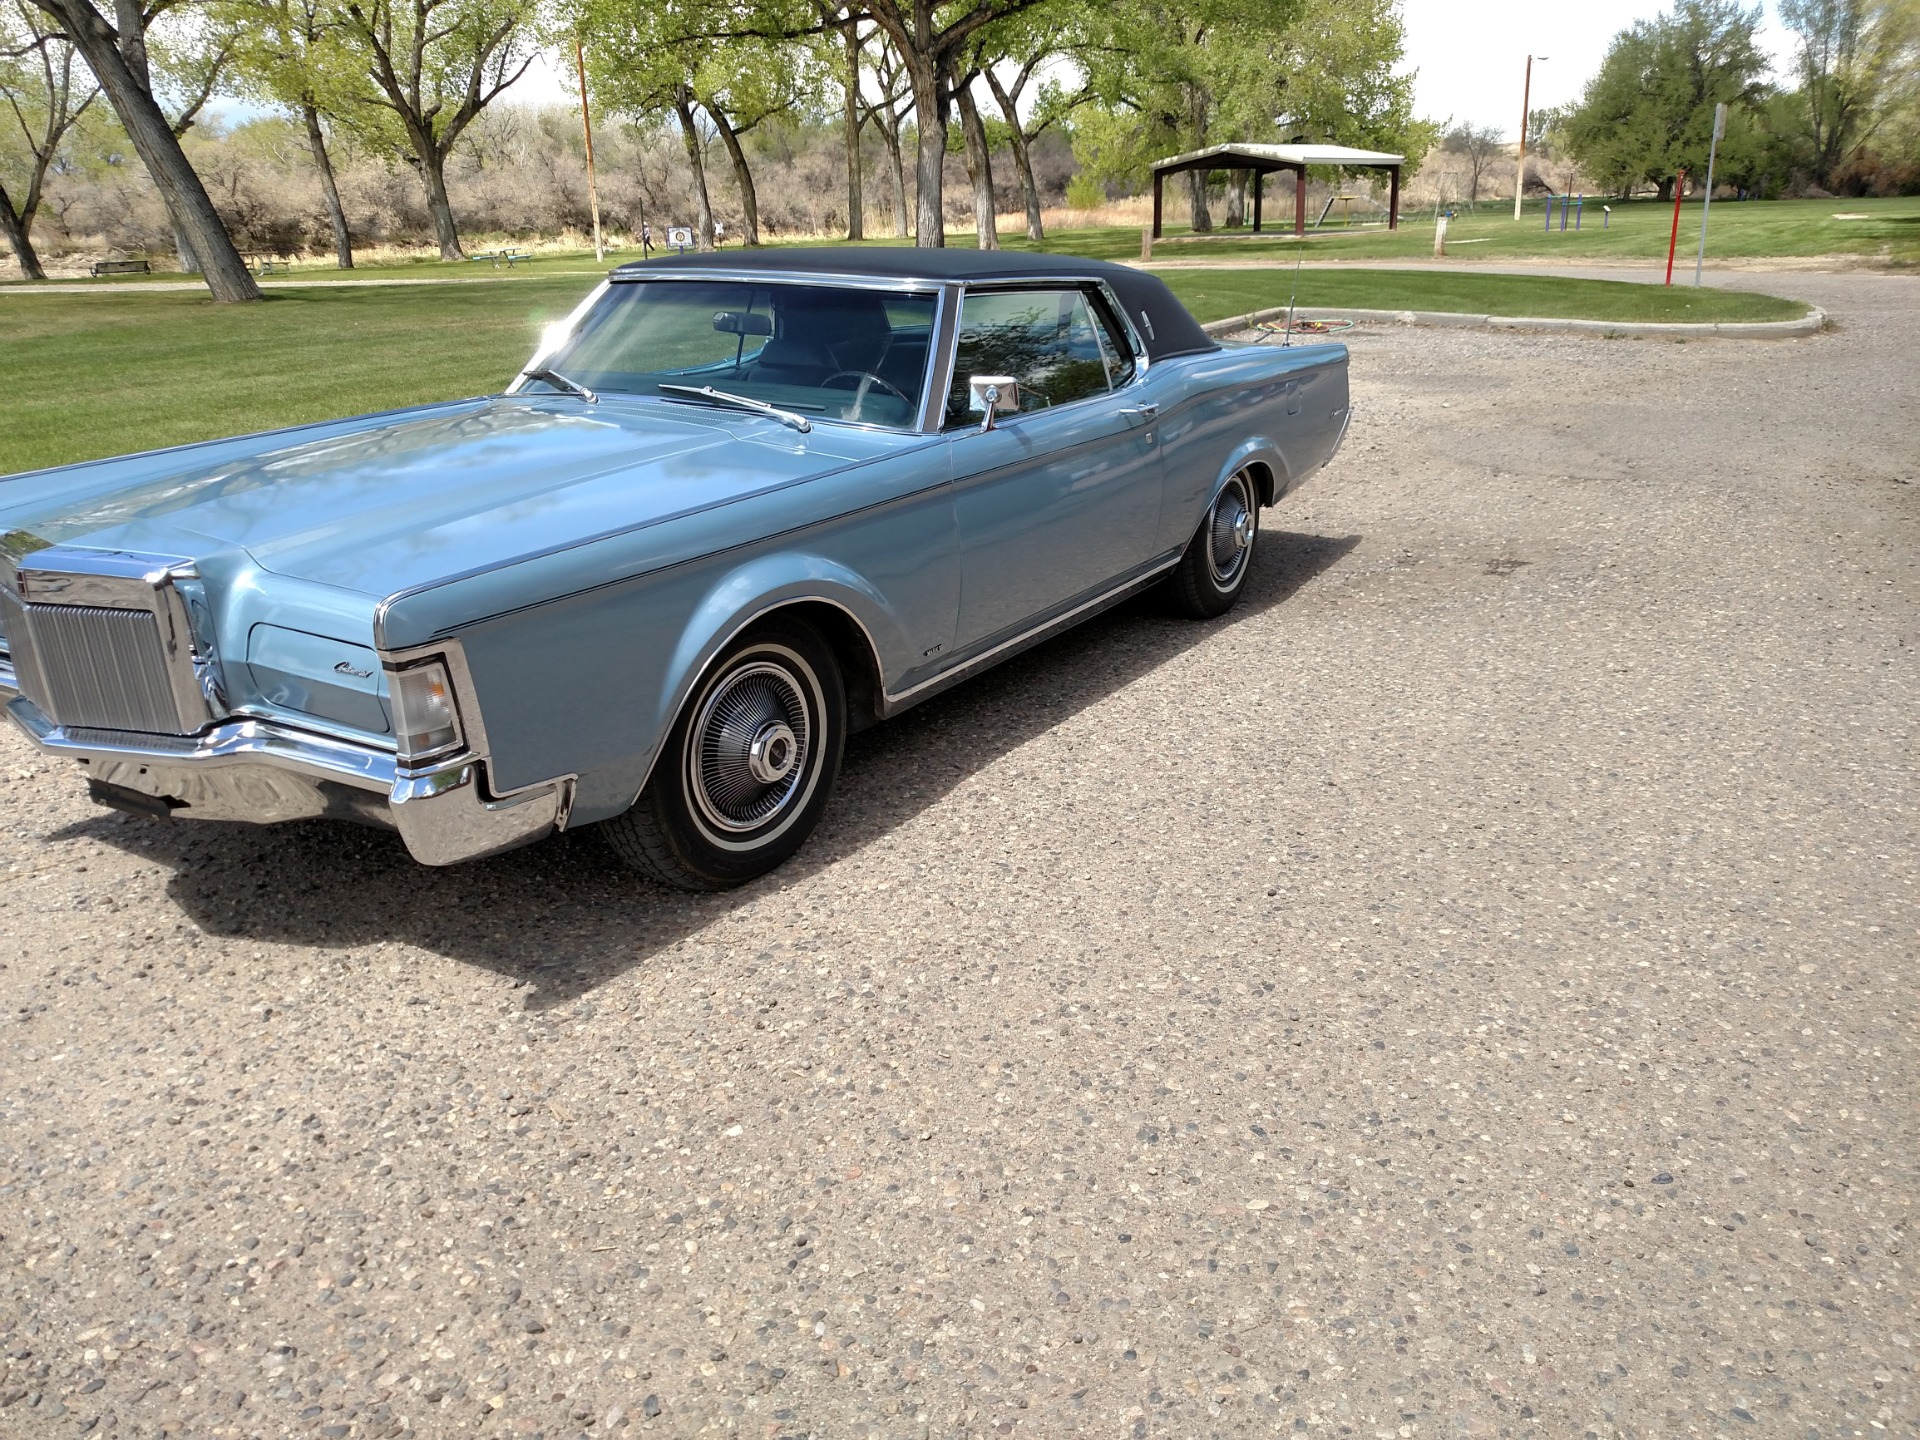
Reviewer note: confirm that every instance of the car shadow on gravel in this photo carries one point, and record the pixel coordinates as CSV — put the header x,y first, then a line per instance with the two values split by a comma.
x,y
563,917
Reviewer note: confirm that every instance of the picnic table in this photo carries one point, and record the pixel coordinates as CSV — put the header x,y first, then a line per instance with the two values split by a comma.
x,y
270,264
497,258
119,267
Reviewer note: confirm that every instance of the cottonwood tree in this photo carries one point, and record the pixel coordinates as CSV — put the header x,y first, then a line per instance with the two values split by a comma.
x,y
887,103
430,67
979,158
930,38
44,102
1477,144
1022,59
118,54
290,53
1161,72
741,85
1853,58
1648,113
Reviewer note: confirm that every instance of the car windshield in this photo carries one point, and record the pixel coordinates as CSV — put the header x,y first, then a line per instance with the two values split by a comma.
x,y
820,351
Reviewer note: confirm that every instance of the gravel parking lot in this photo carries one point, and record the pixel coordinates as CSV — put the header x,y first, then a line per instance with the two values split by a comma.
x,y
1469,991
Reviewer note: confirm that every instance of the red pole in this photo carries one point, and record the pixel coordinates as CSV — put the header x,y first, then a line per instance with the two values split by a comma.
x,y
1679,186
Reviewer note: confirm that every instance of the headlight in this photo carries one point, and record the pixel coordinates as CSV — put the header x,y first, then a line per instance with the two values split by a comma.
x,y
425,720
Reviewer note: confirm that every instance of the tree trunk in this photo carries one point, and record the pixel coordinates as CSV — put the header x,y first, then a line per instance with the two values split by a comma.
x,y
690,133
183,251
153,139
979,164
16,225
431,162
317,142
898,165
856,217
1236,197
1197,192
1666,188
749,199
1022,155
930,112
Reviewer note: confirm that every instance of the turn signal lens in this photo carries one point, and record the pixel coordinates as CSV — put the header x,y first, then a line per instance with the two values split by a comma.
x,y
424,718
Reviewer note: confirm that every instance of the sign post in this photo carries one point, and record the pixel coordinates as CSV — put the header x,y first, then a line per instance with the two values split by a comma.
x,y
1713,153
1673,240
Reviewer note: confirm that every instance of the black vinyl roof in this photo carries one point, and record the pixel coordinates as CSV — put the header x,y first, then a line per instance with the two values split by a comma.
x,y
1163,322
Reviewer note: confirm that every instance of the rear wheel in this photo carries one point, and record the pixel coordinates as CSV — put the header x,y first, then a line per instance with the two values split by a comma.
x,y
1213,568
747,768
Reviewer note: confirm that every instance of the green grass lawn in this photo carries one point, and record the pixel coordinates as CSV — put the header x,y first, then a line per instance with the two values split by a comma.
x,y
1637,232
104,374
107,374
1216,294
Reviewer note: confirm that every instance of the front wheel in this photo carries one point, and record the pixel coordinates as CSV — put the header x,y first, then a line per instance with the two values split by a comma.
x,y
747,768
1213,569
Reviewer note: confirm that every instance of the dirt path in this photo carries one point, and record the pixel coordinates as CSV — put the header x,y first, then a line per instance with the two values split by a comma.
x,y
1471,991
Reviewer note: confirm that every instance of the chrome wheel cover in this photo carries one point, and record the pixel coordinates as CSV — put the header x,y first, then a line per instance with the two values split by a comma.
x,y
1231,527
750,748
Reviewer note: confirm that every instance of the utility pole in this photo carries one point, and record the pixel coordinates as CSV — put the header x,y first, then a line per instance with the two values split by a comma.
x,y
586,129
1526,107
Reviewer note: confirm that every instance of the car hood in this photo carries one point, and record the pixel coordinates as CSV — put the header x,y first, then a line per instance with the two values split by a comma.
x,y
390,502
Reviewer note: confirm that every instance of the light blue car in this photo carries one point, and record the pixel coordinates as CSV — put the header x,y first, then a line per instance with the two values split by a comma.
x,y
731,511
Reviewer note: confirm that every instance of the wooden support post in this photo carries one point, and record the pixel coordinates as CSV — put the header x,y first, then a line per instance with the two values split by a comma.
x,y
1393,197
1258,177
1300,201
1156,204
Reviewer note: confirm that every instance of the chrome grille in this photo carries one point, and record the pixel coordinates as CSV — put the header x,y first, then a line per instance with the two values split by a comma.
x,y
91,665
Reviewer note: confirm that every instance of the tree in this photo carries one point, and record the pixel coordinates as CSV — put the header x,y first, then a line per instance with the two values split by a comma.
x,y
739,85
289,52
36,81
431,66
1010,57
1648,113
117,55
1477,144
979,155
888,109
1854,57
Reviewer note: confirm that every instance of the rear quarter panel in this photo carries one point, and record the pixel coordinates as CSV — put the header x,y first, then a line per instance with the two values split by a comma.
x,y
1285,409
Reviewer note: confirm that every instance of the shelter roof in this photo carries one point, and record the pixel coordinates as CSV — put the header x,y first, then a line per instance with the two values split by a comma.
x,y
1274,157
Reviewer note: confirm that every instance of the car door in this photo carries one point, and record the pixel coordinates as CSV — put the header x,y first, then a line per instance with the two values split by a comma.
x,y
1060,501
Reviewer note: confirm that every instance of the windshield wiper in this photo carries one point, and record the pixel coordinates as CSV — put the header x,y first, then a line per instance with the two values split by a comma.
x,y
744,402
555,378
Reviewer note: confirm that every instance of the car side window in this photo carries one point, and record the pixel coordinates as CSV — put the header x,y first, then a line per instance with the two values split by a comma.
x,y
1045,339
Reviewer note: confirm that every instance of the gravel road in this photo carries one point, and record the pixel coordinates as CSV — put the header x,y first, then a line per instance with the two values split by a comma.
x,y
1469,991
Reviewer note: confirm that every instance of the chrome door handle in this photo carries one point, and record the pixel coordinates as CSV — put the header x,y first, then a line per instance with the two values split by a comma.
x,y
1144,412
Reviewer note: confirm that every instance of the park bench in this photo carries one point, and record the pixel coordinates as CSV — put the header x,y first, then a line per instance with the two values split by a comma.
x,y
119,267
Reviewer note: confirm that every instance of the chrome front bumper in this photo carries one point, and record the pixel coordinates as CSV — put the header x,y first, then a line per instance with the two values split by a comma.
x,y
264,773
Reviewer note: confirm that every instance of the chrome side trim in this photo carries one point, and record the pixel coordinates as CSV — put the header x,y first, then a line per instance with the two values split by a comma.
x,y
895,701
940,357
896,284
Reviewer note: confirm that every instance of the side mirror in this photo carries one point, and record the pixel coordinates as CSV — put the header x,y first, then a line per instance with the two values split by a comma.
x,y
993,395
738,322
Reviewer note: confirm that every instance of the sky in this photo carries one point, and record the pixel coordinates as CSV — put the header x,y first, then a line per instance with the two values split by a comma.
x,y
1470,56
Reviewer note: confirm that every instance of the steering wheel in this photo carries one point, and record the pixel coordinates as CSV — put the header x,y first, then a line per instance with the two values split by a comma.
x,y
868,380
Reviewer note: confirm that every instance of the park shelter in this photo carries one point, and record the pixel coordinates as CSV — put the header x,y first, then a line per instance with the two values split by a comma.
x,y
1262,160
